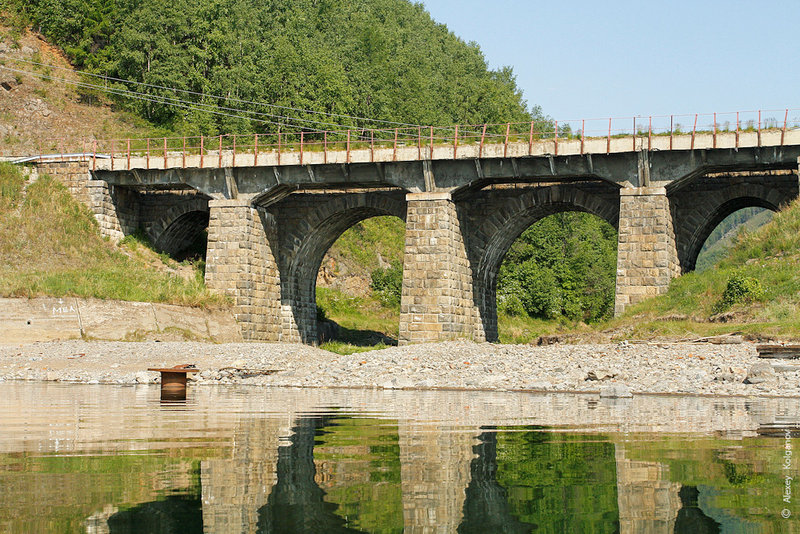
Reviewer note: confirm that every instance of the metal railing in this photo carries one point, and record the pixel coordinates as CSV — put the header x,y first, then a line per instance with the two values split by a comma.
x,y
420,139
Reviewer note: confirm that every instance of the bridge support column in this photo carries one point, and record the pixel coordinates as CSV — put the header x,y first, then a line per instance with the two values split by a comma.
x,y
240,263
437,302
647,258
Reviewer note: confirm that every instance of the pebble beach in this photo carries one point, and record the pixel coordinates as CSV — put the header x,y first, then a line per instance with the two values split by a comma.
x,y
616,370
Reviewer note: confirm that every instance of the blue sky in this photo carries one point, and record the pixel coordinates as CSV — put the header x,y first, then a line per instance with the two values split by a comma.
x,y
582,59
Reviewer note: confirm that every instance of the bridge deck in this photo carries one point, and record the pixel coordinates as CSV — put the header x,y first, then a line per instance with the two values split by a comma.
x,y
172,159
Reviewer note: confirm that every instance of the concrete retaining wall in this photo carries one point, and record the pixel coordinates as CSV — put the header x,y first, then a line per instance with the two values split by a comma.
x,y
50,319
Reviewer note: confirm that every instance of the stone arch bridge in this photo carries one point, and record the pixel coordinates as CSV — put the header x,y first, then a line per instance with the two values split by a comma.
x,y
270,222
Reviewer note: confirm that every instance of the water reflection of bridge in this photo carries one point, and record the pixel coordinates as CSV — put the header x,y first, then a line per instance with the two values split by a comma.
x,y
448,482
408,461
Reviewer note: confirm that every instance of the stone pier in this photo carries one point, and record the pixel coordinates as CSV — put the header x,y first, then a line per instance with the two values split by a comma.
x,y
647,257
240,263
437,301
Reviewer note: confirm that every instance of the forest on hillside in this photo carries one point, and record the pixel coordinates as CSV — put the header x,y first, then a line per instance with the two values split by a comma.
x,y
385,60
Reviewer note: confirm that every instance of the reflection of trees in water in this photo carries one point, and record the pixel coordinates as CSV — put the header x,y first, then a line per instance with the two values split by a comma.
x,y
514,480
558,482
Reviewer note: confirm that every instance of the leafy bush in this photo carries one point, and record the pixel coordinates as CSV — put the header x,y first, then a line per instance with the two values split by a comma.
x,y
740,289
509,303
562,266
387,284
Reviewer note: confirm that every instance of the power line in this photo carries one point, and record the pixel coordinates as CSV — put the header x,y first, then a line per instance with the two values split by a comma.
x,y
218,97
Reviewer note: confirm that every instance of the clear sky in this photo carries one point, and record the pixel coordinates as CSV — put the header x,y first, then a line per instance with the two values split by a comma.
x,y
592,59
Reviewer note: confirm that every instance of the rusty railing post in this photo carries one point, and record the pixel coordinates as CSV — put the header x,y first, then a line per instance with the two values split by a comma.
x,y
394,152
165,152
371,145
608,139
785,121
201,151
714,137
279,146
325,145
530,141
94,154
302,135
112,154
650,133
634,134
431,142
255,150
737,129
419,142
455,143
483,136
233,163
129,153
219,165
148,152
347,157
183,153
759,127
555,138
670,132
505,144
694,129
583,133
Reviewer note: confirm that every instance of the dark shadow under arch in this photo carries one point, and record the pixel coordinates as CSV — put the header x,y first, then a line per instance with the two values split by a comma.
x,y
186,236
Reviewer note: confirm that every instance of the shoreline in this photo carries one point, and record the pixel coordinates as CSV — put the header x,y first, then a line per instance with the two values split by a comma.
x,y
612,370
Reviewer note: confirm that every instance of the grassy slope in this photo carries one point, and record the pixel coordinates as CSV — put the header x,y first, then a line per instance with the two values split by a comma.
x,y
712,253
50,245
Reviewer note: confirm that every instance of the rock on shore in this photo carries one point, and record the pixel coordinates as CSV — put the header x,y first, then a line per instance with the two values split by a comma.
x,y
613,368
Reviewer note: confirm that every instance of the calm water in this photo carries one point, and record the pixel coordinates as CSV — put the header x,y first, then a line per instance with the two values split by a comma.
x,y
109,459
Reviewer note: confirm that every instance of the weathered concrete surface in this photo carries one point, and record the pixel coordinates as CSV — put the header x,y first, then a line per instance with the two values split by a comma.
x,y
50,319
628,161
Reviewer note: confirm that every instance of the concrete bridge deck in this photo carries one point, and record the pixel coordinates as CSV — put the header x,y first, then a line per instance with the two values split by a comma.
x,y
629,161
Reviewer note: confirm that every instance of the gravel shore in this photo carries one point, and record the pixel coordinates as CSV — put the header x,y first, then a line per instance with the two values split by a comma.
x,y
609,369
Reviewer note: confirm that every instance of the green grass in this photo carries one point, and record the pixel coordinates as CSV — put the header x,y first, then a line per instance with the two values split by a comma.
x,y
364,323
361,244
50,246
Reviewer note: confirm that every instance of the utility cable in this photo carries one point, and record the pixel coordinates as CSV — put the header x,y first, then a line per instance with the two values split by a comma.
x,y
196,106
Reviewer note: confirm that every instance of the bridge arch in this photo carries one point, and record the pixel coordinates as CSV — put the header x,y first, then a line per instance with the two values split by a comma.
x,y
179,226
692,229
493,235
306,243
